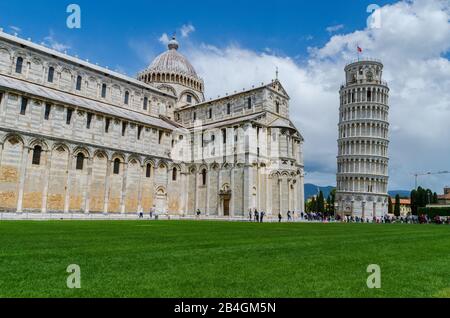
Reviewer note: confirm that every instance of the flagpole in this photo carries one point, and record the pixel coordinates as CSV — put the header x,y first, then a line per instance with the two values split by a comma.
x,y
357,51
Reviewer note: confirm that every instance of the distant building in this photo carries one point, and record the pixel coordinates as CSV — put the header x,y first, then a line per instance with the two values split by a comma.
x,y
444,199
405,206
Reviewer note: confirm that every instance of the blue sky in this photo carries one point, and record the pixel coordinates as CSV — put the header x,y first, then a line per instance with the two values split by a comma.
x,y
239,44
286,27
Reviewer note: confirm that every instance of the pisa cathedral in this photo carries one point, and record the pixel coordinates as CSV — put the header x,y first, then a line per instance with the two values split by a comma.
x,y
362,162
76,138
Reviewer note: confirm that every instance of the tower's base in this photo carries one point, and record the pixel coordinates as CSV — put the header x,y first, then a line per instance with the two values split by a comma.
x,y
362,205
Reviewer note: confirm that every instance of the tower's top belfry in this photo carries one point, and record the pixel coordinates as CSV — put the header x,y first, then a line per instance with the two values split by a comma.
x,y
364,72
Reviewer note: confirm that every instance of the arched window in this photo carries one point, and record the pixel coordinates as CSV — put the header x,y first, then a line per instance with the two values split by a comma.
x,y
127,97
210,113
37,155
79,80
104,91
277,106
249,103
228,109
80,161
148,171
23,106
174,174
51,74
145,103
204,173
116,169
19,65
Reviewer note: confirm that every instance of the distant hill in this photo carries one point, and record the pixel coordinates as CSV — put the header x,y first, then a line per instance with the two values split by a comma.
x,y
402,193
312,190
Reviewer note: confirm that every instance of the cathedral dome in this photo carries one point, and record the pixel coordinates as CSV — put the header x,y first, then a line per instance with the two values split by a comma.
x,y
172,61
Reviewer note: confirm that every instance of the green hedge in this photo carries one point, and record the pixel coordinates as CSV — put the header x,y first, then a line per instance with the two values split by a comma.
x,y
432,212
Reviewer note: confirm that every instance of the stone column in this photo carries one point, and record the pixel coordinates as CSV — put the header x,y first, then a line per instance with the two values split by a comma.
x,y
23,172
87,190
107,185
196,175
141,176
233,192
288,194
246,184
280,192
184,193
258,189
48,164
69,172
208,183
123,191
268,193
219,185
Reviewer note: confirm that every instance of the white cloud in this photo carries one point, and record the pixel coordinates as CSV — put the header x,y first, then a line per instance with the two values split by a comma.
x,y
164,39
187,29
16,29
52,43
412,40
335,28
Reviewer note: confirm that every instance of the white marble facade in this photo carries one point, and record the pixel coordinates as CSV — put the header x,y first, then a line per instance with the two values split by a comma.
x,y
362,164
76,137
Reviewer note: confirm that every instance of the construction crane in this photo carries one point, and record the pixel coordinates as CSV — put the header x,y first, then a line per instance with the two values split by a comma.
x,y
417,175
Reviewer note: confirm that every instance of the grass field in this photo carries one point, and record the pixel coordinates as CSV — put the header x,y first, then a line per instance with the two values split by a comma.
x,y
220,259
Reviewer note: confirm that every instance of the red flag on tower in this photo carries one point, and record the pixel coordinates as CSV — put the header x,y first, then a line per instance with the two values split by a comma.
x,y
359,49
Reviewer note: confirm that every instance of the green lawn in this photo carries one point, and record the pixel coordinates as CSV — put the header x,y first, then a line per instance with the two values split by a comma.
x,y
220,259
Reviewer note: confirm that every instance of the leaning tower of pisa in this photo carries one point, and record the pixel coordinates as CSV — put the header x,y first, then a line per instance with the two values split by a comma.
x,y
362,161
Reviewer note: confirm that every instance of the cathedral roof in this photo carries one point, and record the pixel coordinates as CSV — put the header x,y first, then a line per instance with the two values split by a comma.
x,y
172,61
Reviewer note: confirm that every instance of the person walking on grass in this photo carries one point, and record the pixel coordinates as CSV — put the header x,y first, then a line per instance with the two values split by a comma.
x,y
280,217
256,216
152,212
261,217
289,216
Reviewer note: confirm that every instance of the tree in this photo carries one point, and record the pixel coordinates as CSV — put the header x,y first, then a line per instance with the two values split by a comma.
x,y
320,203
435,198
311,205
397,205
390,206
332,201
420,198
413,198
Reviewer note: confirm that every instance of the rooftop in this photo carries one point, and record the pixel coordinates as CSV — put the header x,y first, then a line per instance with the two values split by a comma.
x,y
78,61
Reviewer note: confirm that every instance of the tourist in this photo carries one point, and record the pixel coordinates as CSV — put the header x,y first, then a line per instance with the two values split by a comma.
x,y
250,215
279,217
152,212
198,213
289,215
261,218
256,216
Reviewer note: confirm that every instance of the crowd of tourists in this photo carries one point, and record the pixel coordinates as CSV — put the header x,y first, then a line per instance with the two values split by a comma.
x,y
292,216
